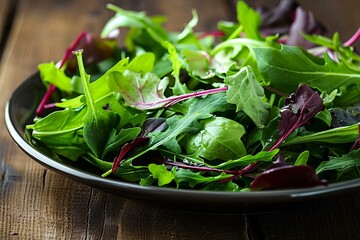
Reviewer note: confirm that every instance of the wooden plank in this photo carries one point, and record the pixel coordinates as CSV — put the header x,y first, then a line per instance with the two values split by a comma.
x,y
4,13
7,8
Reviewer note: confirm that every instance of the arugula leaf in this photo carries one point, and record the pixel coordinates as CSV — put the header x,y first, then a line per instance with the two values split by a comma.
x,y
262,156
117,140
187,177
248,95
346,134
178,87
160,173
289,66
352,159
125,172
98,122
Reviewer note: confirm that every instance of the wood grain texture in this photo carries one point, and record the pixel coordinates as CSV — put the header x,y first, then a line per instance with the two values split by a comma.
x,y
36,203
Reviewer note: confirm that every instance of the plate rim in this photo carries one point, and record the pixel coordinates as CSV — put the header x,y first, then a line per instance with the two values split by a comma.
x,y
165,194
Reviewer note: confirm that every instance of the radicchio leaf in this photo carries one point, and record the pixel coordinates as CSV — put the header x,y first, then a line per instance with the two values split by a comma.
x,y
356,144
304,22
298,110
287,176
150,125
290,21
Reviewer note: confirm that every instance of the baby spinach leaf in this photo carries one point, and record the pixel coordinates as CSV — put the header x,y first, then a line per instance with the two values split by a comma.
x,y
62,132
59,127
198,63
248,95
199,109
220,139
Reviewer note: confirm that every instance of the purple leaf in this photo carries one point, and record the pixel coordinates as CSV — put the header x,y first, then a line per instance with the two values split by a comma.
x,y
298,110
279,19
287,176
304,23
150,125
356,144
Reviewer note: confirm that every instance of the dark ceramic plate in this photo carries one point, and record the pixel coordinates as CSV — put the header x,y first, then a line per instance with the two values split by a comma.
x,y
19,111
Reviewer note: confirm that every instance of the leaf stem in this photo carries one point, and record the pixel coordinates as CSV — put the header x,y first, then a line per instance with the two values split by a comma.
x,y
51,89
353,39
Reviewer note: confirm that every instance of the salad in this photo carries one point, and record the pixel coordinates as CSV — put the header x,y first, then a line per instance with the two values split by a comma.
x,y
266,102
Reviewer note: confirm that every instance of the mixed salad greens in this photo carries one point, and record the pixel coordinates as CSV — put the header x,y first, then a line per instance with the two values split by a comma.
x,y
266,102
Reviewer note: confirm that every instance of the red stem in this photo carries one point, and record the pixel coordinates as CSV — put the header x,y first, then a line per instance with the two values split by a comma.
x,y
67,55
353,39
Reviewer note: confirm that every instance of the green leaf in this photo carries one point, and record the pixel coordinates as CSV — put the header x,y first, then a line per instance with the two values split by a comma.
x,y
189,28
62,132
232,55
290,66
184,176
198,63
116,140
97,122
60,127
249,19
124,18
125,172
160,173
199,109
337,163
248,95
140,91
220,139
178,88
51,74
262,156
302,158
142,63
346,134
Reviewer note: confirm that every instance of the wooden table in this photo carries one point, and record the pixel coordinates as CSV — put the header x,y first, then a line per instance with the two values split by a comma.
x,y
36,203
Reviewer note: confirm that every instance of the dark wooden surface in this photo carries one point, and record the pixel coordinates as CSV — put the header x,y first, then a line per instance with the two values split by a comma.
x,y
36,203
